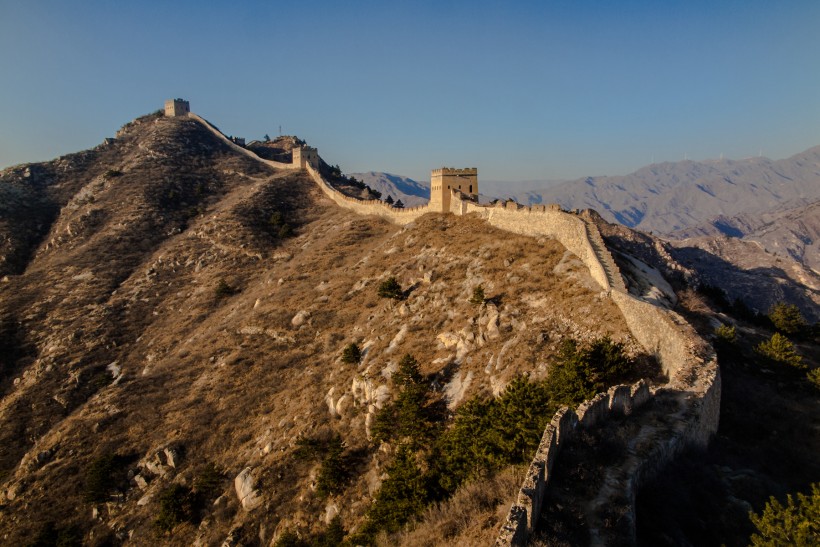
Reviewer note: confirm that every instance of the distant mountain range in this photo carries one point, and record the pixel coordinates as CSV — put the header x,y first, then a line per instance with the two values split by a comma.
x,y
668,197
774,203
409,191
790,231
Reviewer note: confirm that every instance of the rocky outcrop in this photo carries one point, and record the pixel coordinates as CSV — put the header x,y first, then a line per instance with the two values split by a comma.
x,y
246,491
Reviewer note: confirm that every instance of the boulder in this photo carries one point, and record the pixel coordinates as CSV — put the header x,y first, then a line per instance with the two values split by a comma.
x,y
300,318
488,322
245,485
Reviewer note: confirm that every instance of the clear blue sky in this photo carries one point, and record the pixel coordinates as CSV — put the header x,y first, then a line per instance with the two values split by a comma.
x,y
521,90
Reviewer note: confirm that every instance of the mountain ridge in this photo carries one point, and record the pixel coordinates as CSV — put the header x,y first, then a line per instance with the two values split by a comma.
x,y
185,308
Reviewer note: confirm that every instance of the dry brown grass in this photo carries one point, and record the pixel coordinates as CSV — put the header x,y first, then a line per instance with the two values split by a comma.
x,y
232,379
472,516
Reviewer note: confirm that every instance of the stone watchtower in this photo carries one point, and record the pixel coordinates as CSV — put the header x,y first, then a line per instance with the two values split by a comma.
x,y
303,155
445,179
176,107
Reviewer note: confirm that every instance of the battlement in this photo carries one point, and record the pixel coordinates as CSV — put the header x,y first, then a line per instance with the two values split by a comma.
x,y
452,171
177,107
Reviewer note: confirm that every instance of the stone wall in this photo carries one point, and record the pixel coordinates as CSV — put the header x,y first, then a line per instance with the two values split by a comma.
x,y
687,360
540,220
693,386
523,515
366,207
239,149
304,156
446,179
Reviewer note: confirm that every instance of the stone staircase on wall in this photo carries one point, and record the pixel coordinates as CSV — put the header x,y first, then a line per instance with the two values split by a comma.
x,y
613,273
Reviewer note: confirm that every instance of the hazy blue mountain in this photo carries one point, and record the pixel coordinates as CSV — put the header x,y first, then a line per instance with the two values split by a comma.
x,y
775,203
412,193
527,192
669,197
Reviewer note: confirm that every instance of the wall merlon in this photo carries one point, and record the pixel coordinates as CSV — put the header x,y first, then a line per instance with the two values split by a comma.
x,y
640,393
455,171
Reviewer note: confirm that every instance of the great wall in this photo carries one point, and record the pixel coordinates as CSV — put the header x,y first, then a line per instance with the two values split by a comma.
x,y
690,399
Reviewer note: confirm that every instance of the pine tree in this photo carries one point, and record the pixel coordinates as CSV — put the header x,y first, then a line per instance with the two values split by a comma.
x,y
796,523
787,318
408,418
402,496
478,296
351,355
390,288
334,472
780,350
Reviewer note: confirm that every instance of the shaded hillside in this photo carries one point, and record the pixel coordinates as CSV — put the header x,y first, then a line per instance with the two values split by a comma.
x,y
745,271
741,270
768,432
792,232
766,444
178,320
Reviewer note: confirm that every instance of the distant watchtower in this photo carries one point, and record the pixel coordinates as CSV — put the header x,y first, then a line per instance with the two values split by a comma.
x,y
176,107
445,179
303,155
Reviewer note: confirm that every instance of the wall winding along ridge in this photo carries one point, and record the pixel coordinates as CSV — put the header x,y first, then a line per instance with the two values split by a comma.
x,y
237,148
688,361
367,207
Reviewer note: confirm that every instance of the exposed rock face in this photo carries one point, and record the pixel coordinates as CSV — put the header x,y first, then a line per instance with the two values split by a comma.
x,y
300,318
162,462
245,485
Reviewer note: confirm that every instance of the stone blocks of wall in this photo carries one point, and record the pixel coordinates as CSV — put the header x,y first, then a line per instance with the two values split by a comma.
x,y
594,411
613,273
523,515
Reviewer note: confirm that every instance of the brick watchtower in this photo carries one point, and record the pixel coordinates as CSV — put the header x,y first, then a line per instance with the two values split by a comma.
x,y
176,107
445,179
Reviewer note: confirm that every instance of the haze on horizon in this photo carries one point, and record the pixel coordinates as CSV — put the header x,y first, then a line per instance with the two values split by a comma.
x,y
522,90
